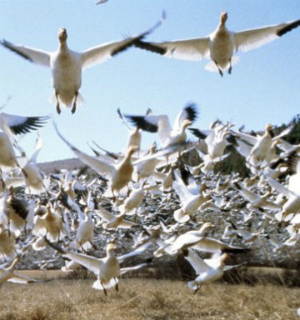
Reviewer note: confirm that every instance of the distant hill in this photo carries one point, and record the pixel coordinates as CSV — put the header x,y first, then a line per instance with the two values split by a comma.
x,y
55,166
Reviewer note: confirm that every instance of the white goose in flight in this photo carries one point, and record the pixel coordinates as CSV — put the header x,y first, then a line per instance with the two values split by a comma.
x,y
66,65
168,135
10,127
220,45
207,270
119,172
107,269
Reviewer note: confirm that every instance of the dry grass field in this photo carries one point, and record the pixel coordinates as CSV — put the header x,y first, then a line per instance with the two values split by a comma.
x,y
64,299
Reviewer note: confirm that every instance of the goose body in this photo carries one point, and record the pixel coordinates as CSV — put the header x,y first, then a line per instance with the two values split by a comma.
x,y
85,232
50,225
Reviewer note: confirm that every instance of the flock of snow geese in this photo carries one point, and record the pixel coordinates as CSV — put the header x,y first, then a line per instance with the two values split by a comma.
x,y
155,200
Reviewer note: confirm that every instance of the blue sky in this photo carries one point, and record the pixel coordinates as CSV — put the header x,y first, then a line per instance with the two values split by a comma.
x,y
264,86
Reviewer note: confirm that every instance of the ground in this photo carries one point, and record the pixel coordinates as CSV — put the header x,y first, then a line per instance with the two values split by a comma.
x,y
140,299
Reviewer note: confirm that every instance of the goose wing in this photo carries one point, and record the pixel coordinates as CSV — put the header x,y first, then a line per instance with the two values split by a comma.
x,y
20,124
38,147
91,263
279,187
139,250
246,138
17,278
247,194
153,123
104,214
190,112
185,240
99,165
134,268
217,246
196,262
254,38
190,49
101,53
31,54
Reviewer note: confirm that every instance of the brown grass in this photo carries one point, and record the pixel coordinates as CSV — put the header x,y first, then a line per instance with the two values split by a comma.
x,y
146,299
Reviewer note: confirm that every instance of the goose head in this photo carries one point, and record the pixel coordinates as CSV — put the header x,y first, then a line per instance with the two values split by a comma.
x,y
110,248
224,259
269,127
153,148
12,191
223,17
131,150
62,35
205,226
186,123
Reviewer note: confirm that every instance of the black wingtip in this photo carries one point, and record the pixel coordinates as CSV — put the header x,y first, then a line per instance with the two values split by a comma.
x,y
31,123
150,47
192,111
10,46
197,133
288,28
141,123
136,40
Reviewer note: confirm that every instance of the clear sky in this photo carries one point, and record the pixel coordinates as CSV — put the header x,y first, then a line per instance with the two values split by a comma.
x,y
264,86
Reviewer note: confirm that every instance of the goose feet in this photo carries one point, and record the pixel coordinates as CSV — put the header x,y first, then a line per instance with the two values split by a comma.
x,y
58,108
219,69
230,67
74,104
57,103
74,107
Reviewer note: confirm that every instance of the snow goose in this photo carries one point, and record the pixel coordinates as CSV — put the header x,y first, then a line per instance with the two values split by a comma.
x,y
197,240
207,270
220,45
7,243
107,269
33,177
63,200
167,134
134,200
50,224
12,125
111,221
135,135
119,173
247,235
189,238
85,231
255,200
261,147
66,65
191,198
292,205
19,212
143,170
9,274
215,142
